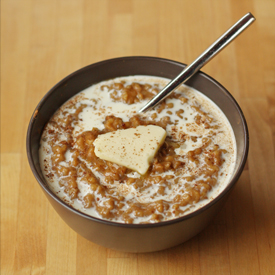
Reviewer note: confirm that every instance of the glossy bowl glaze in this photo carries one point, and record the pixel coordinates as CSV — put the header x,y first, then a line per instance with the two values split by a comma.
x,y
135,237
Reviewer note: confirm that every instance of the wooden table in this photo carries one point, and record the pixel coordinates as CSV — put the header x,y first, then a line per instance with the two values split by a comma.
x,y
45,40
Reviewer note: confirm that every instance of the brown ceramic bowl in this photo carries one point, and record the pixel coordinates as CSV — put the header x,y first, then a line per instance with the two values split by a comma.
x,y
135,237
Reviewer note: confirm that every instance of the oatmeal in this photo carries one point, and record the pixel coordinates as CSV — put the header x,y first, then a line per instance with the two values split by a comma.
x,y
193,165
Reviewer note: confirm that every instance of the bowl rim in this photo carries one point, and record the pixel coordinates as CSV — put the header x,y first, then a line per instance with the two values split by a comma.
x,y
192,214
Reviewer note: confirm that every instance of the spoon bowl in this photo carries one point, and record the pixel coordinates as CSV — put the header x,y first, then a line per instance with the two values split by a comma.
x,y
135,237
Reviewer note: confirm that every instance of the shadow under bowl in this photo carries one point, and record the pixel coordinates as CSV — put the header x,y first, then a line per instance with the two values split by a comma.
x,y
135,237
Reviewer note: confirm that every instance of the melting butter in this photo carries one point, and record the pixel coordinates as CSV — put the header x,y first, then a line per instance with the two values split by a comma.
x,y
134,148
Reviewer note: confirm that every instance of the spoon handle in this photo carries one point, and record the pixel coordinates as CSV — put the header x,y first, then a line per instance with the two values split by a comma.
x,y
197,64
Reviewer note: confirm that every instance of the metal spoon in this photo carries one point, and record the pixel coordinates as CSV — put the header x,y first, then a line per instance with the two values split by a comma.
x,y
206,56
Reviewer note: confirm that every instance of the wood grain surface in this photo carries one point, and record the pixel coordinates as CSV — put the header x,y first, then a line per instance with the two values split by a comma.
x,y
42,41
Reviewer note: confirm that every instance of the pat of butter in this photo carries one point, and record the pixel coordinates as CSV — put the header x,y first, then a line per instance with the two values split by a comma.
x,y
133,148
